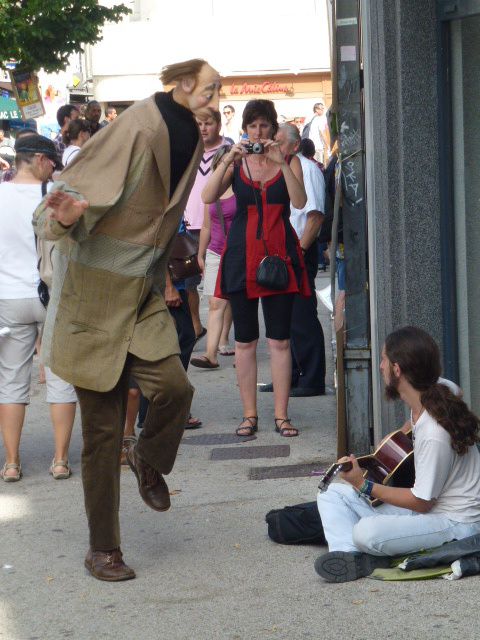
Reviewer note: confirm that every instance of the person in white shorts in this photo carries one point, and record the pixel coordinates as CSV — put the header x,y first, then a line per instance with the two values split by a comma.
x,y
216,224
22,313
444,502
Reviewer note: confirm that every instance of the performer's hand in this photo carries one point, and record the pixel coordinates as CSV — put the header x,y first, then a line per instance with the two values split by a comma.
x,y
4,165
355,475
65,209
172,296
272,151
201,263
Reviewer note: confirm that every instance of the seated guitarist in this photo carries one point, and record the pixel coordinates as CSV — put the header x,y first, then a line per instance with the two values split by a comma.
x,y
444,502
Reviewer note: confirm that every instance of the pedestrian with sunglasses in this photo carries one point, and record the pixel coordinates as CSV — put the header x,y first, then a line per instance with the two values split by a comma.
x,y
230,127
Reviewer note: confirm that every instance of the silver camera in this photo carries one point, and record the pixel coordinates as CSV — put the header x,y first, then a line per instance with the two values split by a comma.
x,y
255,147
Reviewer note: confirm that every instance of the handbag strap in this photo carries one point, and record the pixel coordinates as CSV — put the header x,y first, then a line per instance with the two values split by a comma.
x,y
35,237
221,217
72,154
259,206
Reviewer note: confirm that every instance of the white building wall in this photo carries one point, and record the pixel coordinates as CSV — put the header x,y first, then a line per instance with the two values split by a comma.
x,y
252,37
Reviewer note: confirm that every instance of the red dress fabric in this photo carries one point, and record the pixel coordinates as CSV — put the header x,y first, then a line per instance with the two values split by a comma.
x,y
243,251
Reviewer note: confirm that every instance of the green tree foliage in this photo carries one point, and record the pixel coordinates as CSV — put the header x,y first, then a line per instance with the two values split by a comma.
x,y
43,33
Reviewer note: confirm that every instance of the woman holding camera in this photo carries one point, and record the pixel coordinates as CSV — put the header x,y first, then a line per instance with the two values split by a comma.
x,y
264,183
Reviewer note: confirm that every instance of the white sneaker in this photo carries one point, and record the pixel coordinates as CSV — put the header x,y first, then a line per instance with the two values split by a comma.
x,y
324,295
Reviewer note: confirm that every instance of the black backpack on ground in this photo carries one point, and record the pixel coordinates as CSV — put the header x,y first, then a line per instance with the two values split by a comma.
x,y
299,524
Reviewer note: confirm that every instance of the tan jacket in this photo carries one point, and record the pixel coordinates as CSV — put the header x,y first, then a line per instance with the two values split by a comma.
x,y
109,267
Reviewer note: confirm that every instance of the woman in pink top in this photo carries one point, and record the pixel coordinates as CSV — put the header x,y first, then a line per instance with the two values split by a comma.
x,y
216,223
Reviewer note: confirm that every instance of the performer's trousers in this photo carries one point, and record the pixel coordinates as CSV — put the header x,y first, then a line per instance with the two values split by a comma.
x,y
186,339
165,384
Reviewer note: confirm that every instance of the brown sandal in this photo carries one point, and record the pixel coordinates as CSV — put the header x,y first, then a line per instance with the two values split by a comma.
x,y
202,362
288,431
249,428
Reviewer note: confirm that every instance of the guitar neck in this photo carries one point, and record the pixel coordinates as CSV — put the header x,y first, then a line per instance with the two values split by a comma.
x,y
333,471
388,459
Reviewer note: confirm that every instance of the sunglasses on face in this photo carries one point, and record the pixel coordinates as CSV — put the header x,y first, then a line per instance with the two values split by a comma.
x,y
227,113
52,162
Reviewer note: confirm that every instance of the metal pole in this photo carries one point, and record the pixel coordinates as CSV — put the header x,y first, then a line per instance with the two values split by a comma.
x,y
351,138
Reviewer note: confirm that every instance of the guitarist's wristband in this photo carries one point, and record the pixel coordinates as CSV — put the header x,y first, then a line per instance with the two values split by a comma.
x,y
366,488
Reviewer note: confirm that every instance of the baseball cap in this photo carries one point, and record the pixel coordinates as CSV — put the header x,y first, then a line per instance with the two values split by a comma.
x,y
38,144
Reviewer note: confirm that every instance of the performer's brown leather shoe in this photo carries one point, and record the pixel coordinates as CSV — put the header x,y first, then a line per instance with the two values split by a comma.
x,y
108,565
151,485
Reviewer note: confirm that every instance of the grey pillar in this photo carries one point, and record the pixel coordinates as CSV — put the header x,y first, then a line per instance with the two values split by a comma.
x,y
401,111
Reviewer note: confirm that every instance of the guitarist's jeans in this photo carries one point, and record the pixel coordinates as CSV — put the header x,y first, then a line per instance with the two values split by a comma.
x,y
350,523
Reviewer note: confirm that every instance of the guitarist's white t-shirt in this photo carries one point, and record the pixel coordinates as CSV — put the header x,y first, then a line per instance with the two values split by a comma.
x,y
441,474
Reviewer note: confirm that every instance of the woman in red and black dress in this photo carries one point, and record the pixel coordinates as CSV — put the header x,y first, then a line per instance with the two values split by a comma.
x,y
269,182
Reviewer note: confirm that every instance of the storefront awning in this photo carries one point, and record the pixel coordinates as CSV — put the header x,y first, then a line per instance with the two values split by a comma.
x,y
9,109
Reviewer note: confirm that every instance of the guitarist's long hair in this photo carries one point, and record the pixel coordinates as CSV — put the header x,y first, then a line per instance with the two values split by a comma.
x,y
418,357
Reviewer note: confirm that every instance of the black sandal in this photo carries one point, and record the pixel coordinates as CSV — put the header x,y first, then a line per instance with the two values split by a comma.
x,y
250,428
283,431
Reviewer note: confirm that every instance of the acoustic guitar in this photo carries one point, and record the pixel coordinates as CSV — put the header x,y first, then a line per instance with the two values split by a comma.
x,y
391,464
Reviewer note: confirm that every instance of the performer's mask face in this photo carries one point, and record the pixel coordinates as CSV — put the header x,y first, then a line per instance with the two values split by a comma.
x,y
203,90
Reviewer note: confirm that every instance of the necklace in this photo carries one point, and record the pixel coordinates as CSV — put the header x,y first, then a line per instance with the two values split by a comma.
x,y
418,417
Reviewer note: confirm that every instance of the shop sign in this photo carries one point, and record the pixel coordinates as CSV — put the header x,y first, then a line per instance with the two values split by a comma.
x,y
266,87
27,93
9,109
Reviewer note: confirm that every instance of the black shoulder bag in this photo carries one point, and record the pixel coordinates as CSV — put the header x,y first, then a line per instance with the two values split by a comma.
x,y
272,272
299,524
42,289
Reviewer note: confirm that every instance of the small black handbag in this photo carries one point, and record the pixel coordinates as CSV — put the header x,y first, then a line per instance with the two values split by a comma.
x,y
42,289
272,273
43,293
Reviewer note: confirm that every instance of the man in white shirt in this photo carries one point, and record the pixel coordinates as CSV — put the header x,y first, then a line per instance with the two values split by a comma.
x,y
306,337
444,502
318,132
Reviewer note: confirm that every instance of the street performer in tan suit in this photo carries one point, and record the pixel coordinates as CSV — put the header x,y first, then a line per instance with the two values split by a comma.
x,y
114,215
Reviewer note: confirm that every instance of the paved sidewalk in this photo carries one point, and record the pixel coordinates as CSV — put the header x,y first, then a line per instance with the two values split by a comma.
x,y
206,569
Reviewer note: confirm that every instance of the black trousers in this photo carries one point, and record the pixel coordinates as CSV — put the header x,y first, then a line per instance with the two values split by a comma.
x,y
185,331
306,335
186,338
